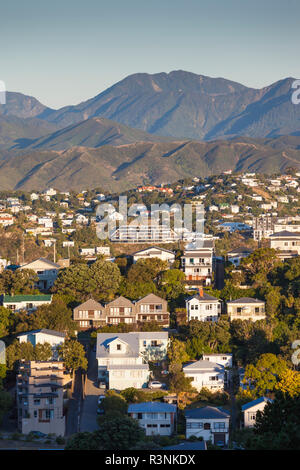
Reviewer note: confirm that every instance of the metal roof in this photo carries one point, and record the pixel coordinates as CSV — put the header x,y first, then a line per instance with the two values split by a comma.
x,y
207,412
152,407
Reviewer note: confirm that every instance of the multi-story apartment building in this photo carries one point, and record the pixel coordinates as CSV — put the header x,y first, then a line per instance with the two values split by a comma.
x,y
197,263
263,227
40,390
246,308
203,307
92,314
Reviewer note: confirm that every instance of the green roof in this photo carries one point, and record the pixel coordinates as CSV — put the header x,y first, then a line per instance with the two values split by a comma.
x,y
26,298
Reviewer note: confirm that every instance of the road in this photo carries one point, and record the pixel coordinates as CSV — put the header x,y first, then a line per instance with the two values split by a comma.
x,y
88,420
72,425
220,274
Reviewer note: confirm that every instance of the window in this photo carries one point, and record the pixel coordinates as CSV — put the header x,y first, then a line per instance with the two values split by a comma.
x,y
206,425
118,347
140,416
219,425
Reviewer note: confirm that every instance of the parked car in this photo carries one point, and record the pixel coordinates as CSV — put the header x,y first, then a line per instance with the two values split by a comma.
x,y
155,384
102,384
38,434
100,399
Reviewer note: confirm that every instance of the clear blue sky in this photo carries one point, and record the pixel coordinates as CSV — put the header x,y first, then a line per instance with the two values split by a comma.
x,y
66,51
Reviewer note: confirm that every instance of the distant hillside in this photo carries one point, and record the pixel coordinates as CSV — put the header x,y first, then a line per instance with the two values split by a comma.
x,y
17,132
94,132
185,105
126,166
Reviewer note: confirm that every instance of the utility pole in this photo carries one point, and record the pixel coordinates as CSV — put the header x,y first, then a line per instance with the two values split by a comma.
x,y
54,252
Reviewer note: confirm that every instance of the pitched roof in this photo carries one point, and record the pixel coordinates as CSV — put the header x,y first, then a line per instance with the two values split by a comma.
x,y
204,297
44,260
256,402
150,298
151,248
151,407
120,301
27,298
90,304
285,233
207,412
45,331
246,300
202,364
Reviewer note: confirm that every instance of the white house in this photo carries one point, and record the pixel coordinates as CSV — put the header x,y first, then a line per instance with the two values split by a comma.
x,y
25,302
210,423
42,336
46,270
154,252
236,255
203,307
224,359
250,410
205,374
122,357
154,417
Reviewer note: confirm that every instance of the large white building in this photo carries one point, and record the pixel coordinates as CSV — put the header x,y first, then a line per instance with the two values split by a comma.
x,y
197,263
123,357
246,308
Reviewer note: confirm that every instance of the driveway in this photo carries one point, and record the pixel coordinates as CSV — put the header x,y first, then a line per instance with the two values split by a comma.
x,y
89,407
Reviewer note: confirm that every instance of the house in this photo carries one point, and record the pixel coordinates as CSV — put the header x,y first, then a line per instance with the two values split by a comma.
x,y
40,392
197,263
25,302
120,310
285,241
90,314
154,417
6,219
224,359
209,422
246,308
152,308
205,374
122,357
203,307
154,252
236,255
120,361
46,270
42,336
250,410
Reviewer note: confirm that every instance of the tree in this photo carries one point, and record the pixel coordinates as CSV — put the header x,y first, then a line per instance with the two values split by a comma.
x,y
6,402
114,405
83,441
265,373
73,355
146,270
18,282
177,352
278,426
6,321
119,433
289,382
259,264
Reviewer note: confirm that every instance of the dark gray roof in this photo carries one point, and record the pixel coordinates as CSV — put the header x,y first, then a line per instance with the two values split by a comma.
x,y
205,296
44,330
285,233
152,407
207,412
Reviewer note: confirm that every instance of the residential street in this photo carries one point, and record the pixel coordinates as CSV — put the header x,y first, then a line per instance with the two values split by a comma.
x,y
88,420
72,423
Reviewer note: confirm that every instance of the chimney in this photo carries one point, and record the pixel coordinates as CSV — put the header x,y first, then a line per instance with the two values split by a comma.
x,y
201,291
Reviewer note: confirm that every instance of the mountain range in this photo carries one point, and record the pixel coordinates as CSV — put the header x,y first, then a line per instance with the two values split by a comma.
x,y
153,128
